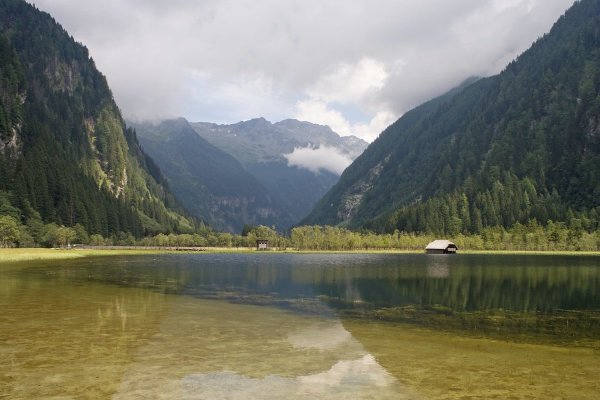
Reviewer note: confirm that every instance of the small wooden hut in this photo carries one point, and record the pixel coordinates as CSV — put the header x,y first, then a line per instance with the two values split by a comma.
x,y
262,244
441,247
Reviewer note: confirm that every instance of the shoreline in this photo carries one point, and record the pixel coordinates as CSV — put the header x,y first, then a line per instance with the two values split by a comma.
x,y
34,254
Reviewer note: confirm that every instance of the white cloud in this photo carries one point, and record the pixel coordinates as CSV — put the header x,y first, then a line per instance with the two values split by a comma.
x,y
350,83
358,85
502,5
369,131
319,158
321,113
264,57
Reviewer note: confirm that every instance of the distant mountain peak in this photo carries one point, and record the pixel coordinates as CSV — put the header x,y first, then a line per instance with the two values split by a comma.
x,y
254,123
291,123
258,140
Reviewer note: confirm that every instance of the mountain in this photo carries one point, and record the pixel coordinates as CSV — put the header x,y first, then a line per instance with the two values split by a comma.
x,y
258,140
273,154
518,147
66,156
210,183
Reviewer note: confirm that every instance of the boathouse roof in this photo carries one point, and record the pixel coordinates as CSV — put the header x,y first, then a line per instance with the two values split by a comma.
x,y
439,245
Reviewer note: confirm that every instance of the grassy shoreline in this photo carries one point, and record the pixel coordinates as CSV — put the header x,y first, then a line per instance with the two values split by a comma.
x,y
31,254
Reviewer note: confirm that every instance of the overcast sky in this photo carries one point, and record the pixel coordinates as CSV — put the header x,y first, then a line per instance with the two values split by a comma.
x,y
353,65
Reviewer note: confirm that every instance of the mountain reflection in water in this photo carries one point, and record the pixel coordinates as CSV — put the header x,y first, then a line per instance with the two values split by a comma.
x,y
301,326
521,297
211,349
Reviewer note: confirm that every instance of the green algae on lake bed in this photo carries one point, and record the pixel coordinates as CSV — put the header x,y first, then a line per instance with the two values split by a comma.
x,y
185,348
573,328
300,326
443,365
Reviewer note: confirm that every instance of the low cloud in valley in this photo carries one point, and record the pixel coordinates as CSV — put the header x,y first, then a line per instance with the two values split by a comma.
x,y
319,158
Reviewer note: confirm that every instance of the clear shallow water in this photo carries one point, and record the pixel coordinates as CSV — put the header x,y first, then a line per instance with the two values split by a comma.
x,y
301,326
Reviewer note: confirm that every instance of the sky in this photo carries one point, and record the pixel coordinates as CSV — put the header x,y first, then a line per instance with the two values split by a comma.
x,y
356,66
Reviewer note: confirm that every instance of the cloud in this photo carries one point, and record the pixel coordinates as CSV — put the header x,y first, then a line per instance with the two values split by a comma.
x,y
319,112
350,82
357,84
272,58
319,158
241,98
369,131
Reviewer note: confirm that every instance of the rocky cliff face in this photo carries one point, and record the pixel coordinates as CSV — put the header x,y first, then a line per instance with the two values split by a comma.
x,y
12,99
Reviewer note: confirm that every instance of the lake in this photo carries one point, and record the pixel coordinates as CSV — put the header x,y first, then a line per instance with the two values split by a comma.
x,y
301,326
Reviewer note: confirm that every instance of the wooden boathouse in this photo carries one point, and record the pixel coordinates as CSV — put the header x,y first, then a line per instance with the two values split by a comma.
x,y
441,247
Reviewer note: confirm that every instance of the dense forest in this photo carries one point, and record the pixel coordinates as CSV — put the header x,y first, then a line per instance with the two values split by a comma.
x,y
66,156
519,147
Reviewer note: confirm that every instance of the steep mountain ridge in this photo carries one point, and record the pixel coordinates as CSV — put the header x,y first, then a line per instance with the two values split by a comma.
x,y
507,149
210,183
65,153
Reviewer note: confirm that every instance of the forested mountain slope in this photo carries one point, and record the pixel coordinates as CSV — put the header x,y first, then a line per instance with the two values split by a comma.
x,y
210,183
65,154
515,147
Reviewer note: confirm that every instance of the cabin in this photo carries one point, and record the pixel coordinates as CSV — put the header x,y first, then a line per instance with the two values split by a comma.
x,y
441,247
262,244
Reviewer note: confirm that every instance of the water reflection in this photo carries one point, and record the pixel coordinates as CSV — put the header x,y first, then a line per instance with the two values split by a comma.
x,y
554,297
73,341
299,326
319,337
463,283
438,266
360,378
255,352
64,332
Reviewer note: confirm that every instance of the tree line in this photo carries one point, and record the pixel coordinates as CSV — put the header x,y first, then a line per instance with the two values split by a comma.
x,y
553,236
